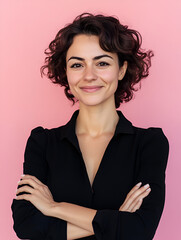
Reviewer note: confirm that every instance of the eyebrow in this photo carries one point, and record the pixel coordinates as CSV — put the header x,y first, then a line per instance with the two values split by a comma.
x,y
95,58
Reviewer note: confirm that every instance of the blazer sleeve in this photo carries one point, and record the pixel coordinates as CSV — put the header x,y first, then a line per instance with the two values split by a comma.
x,y
29,222
140,225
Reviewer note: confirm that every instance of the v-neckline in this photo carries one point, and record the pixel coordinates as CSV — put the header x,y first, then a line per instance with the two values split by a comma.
x,y
124,127
99,167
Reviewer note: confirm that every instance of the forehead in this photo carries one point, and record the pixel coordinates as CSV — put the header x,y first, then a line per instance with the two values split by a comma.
x,y
86,45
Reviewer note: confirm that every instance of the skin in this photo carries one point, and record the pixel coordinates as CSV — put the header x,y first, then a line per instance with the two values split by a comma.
x,y
104,71
85,68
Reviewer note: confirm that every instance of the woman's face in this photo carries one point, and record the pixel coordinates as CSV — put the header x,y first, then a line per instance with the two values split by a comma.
x,y
92,73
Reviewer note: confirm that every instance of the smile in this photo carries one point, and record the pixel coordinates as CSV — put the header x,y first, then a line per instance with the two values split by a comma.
x,y
91,89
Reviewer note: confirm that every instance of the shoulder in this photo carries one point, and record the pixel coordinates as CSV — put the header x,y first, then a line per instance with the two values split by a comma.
x,y
43,134
38,132
152,134
153,144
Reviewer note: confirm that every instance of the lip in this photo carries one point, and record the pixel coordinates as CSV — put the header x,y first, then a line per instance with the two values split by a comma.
x,y
91,88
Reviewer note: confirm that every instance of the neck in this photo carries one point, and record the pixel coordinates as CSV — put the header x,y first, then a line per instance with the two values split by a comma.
x,y
96,121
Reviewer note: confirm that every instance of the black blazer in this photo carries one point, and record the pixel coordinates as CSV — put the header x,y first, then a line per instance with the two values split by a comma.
x,y
133,155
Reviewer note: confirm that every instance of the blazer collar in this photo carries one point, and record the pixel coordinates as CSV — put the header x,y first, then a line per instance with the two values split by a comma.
x,y
123,126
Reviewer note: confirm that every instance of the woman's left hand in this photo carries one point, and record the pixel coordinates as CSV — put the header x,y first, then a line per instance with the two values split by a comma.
x,y
38,194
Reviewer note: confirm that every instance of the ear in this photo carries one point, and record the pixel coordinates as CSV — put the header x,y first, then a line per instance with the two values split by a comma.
x,y
122,70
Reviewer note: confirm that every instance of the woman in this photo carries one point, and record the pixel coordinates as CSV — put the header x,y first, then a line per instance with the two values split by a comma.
x,y
98,176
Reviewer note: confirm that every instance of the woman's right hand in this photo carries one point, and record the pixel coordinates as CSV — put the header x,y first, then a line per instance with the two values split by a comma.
x,y
135,198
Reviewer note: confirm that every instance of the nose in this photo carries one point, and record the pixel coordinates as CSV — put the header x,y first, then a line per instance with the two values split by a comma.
x,y
90,73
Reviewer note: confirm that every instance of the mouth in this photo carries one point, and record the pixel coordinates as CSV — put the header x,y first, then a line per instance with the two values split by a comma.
x,y
91,88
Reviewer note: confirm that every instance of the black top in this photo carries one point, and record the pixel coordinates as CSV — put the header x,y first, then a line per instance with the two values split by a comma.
x,y
133,155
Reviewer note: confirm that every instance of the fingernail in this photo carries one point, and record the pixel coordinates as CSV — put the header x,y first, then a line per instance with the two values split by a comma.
x,y
139,184
149,189
146,186
22,175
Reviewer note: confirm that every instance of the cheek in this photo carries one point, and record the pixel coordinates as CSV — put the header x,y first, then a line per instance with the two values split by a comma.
x,y
72,78
110,77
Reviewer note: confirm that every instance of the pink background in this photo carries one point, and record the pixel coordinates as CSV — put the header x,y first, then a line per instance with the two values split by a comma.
x,y
27,100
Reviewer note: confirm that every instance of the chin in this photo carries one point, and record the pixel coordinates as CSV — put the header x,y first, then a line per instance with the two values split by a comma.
x,y
92,102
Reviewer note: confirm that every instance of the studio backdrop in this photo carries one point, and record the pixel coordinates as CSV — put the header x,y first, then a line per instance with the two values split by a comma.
x,y
27,100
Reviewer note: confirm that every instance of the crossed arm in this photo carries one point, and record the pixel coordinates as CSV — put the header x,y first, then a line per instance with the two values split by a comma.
x,y
79,219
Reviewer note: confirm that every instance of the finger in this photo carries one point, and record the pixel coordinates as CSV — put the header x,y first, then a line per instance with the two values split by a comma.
x,y
140,197
138,191
136,187
26,189
29,181
27,176
137,205
133,197
26,197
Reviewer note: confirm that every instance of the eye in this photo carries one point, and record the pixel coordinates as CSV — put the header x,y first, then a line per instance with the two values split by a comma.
x,y
102,64
76,65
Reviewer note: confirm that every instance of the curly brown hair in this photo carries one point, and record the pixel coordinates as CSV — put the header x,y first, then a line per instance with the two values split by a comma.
x,y
113,37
